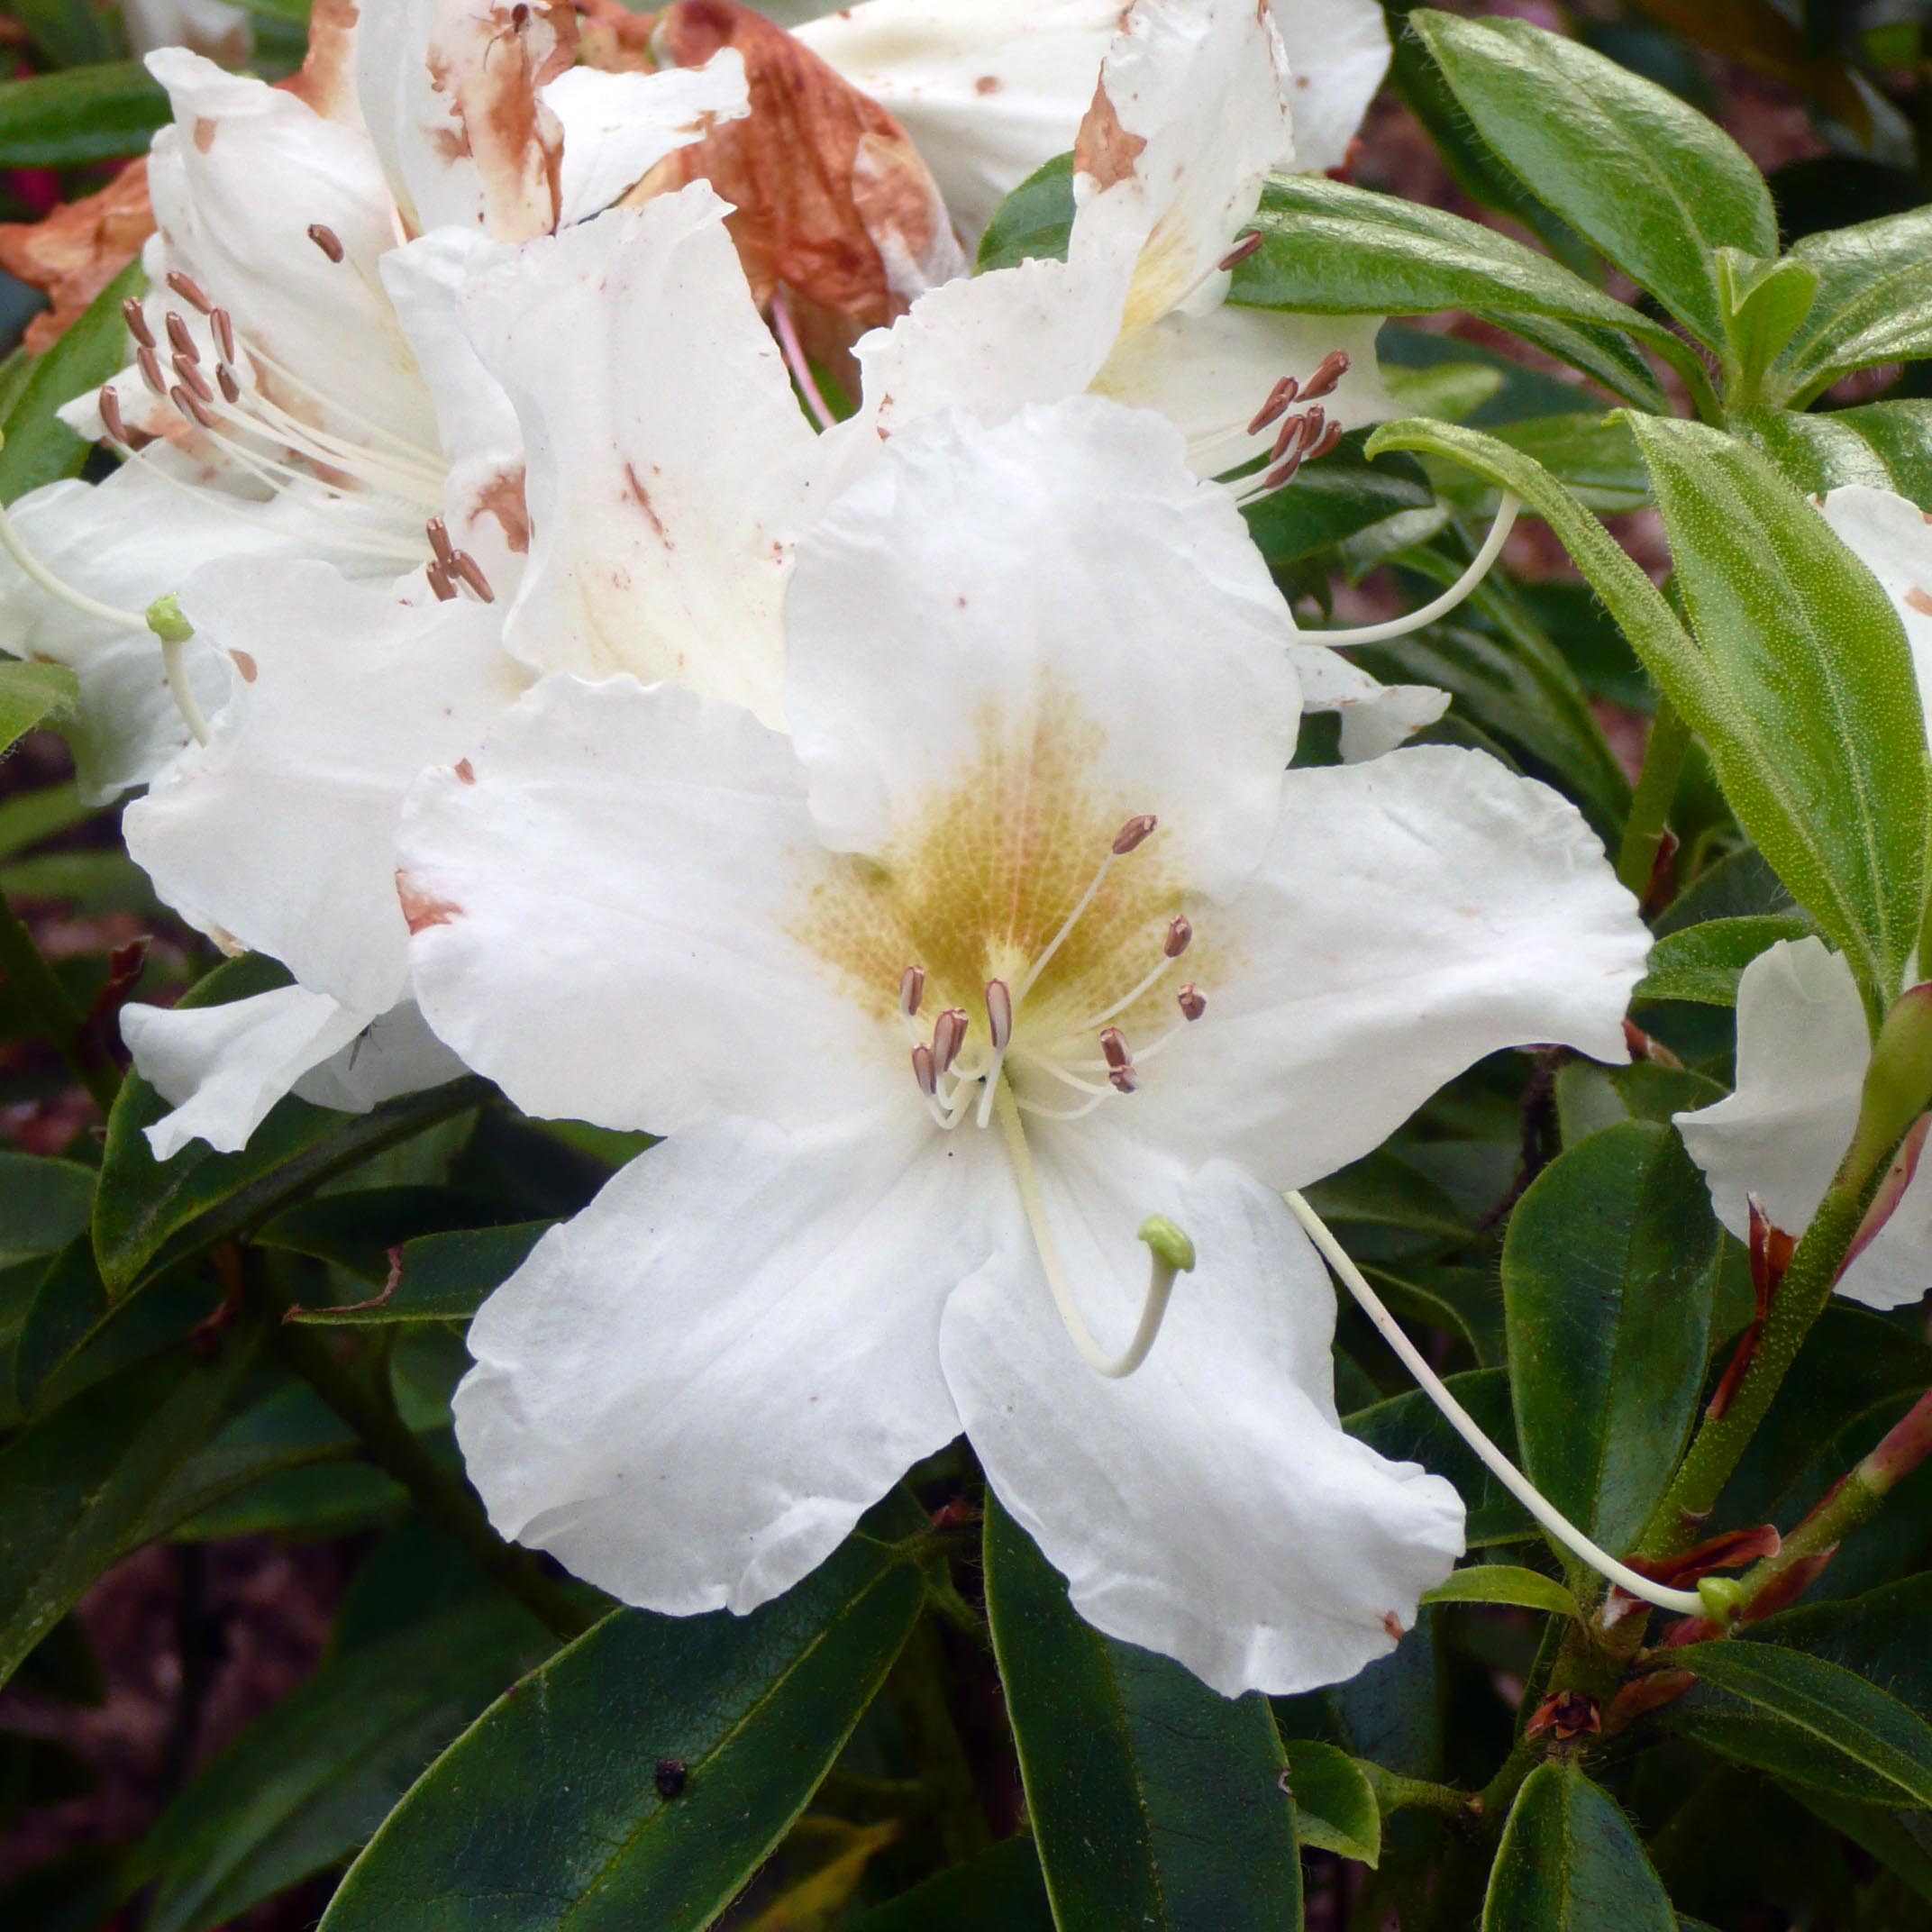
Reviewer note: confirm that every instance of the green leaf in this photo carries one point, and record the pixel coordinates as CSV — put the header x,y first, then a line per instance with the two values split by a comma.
x,y
1333,250
89,114
77,1484
43,1205
1032,220
1335,1809
1410,1428
1332,500
1805,1719
1000,1890
1529,1590
39,448
1901,1841
150,1215
356,1230
1155,1801
1652,183
1703,963
444,1278
69,32
1569,1861
1608,1272
548,1813
308,1784
1767,301
39,814
1886,445
1873,304
33,695
1590,1098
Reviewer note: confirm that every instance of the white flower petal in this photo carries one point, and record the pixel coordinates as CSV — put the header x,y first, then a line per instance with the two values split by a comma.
x,y
617,127
1058,579
1803,1044
1413,914
395,1053
223,1068
669,466
1337,53
1375,718
282,831
606,906
691,1392
1892,537
1895,1266
1207,1506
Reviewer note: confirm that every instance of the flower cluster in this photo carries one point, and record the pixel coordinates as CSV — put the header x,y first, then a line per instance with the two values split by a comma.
x,y
890,806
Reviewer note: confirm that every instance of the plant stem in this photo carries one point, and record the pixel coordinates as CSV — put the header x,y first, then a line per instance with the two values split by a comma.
x,y
446,1500
60,1020
1650,805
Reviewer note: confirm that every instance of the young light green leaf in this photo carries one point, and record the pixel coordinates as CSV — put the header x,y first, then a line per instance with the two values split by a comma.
x,y
1649,180
1887,445
89,114
1330,249
1608,1272
1335,1807
641,1776
1528,1590
1156,1802
31,695
39,448
1766,301
1703,963
1569,1861
1873,304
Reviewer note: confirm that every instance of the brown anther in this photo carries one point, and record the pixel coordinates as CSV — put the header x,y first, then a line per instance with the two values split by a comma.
x,y
224,333
912,981
466,567
179,340
1322,444
439,540
230,388
1135,833
1293,432
1122,1080
1242,249
1317,421
189,405
327,241
150,365
999,1012
1275,407
190,291
949,1034
137,322
1114,1045
925,1071
1328,376
1191,1001
1276,479
439,581
1178,932
110,407
193,377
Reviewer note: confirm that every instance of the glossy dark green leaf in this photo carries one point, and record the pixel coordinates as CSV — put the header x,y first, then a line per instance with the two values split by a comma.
x,y
89,114
1703,963
1155,1801
1032,220
77,1483
1000,1889
548,1812
43,1205
151,1215
1529,1590
1569,1861
1335,1809
1885,445
1805,1719
443,1278
1653,184
1333,250
1901,1841
1590,1098
39,448
1606,1280
1739,886
1410,1428
1332,500
1873,302
33,695
308,1784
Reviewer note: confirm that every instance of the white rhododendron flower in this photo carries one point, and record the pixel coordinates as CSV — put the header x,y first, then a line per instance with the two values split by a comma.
x,y
1804,1039
1023,936
299,388
991,89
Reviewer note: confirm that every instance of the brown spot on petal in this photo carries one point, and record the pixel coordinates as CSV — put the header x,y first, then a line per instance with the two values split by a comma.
x,y
421,909
206,130
987,84
1393,1624
502,498
1919,601
1104,149
246,665
644,503
466,772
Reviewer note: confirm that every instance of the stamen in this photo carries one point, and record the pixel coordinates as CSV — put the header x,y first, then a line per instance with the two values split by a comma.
x,y
949,1034
180,340
137,322
1480,565
912,989
465,565
1122,1080
109,404
224,333
230,388
192,378
1279,397
1190,1001
1134,834
925,1071
327,241
150,365
439,581
1322,444
1328,376
190,291
1290,439
438,532
999,1014
1242,249
1114,1045
1178,932
190,406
